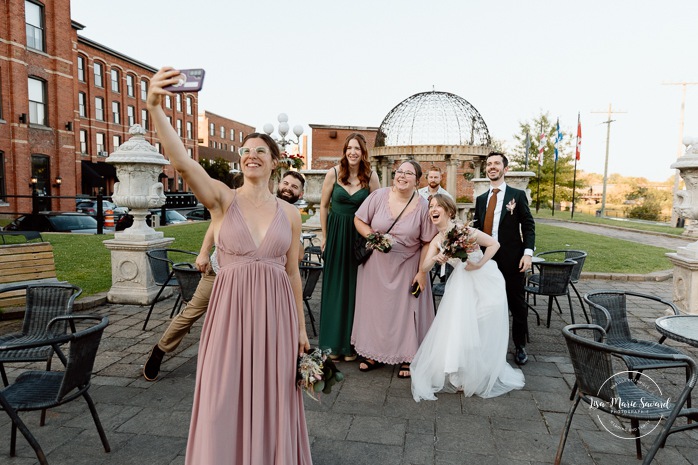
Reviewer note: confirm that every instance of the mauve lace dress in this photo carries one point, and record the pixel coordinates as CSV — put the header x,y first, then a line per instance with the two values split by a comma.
x,y
247,408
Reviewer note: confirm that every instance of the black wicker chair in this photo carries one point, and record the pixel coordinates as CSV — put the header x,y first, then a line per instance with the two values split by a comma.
x,y
609,310
312,272
593,368
188,277
44,302
161,261
553,281
40,390
579,256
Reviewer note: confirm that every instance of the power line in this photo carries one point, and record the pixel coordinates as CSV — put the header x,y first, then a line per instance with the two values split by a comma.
x,y
610,112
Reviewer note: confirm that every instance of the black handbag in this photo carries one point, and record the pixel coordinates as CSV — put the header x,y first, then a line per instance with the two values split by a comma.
x,y
361,252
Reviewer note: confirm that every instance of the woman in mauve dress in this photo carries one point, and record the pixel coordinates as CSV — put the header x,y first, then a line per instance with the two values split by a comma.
x,y
247,407
389,322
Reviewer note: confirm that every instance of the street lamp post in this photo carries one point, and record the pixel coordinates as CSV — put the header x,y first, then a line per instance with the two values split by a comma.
x,y
283,129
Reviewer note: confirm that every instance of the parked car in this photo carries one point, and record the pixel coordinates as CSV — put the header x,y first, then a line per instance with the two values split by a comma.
x,y
90,207
172,217
199,214
55,222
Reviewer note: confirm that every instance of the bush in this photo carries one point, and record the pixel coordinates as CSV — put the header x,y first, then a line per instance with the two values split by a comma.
x,y
650,209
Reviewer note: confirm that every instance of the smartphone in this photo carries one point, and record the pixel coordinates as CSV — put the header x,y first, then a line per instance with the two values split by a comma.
x,y
415,290
190,80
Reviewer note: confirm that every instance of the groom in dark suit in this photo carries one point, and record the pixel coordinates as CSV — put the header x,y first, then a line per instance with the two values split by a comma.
x,y
503,213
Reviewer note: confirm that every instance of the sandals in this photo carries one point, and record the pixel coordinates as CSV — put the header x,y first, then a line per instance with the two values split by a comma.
x,y
351,357
404,367
369,365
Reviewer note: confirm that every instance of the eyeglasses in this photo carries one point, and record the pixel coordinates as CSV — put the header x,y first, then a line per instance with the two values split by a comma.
x,y
261,150
405,173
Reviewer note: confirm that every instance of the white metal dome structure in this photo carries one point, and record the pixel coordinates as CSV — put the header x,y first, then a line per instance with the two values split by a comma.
x,y
433,118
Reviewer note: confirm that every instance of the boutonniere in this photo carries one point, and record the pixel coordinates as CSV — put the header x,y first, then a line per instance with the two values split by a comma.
x,y
511,206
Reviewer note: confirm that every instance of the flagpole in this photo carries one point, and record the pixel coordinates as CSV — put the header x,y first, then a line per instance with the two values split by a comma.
x,y
540,157
576,157
528,146
557,142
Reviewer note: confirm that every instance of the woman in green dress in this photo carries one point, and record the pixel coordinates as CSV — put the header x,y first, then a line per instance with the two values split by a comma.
x,y
344,189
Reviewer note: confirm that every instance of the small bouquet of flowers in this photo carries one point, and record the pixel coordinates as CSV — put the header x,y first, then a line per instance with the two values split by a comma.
x,y
457,244
317,373
378,241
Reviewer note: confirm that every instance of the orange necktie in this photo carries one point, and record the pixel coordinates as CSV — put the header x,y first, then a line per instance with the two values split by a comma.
x,y
489,215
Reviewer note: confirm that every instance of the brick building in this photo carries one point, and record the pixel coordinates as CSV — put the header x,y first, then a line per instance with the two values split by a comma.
x,y
66,103
220,137
328,142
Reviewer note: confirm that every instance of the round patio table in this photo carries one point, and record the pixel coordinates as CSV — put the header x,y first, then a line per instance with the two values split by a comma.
x,y
680,328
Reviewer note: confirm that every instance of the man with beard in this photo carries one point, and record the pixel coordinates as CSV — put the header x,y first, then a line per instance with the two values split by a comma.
x,y
290,189
503,213
434,184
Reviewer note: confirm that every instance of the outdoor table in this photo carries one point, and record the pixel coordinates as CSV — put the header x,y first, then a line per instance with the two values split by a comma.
x,y
680,328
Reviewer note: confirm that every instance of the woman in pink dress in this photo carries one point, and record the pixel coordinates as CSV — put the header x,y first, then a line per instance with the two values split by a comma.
x,y
389,322
247,408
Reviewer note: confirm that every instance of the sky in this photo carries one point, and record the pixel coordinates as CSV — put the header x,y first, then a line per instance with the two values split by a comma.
x,y
350,62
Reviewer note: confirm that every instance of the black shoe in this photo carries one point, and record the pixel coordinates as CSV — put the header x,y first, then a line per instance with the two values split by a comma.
x,y
520,357
152,365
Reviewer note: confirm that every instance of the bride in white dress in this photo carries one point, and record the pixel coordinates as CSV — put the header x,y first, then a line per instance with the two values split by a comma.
x,y
466,346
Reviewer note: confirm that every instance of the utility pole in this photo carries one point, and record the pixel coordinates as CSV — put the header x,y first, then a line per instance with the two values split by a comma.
x,y
683,84
605,166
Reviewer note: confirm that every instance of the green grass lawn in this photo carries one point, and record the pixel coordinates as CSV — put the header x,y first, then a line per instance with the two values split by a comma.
x,y
83,260
630,224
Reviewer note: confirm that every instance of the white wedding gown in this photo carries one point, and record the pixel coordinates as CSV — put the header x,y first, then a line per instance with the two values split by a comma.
x,y
466,346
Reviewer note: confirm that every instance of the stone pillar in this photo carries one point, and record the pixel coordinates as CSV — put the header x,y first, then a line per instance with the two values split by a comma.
x,y
517,179
451,174
685,259
138,165
312,193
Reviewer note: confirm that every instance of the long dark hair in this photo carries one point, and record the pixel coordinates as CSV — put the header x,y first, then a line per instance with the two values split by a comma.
x,y
364,166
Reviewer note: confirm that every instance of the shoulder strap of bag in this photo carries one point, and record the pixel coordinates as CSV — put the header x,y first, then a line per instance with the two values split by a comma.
x,y
403,211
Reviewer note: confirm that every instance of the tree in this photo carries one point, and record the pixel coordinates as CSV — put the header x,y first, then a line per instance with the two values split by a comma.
x,y
218,169
565,163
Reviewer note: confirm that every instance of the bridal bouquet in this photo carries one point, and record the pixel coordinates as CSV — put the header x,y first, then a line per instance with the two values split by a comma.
x,y
457,244
317,373
378,241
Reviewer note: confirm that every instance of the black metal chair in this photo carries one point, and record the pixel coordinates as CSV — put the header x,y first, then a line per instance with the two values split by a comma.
x,y
579,256
43,303
161,262
312,272
438,282
40,390
188,277
553,282
609,309
593,368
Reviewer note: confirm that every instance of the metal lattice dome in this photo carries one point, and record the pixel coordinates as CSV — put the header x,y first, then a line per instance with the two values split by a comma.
x,y
433,118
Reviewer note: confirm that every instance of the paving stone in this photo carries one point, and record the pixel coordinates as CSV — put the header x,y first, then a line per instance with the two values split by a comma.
x,y
378,430
326,451
328,425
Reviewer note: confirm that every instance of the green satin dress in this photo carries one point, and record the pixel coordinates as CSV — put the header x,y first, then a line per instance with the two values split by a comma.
x,y
340,268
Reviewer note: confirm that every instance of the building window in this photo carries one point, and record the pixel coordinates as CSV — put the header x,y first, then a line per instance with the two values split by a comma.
x,y
189,130
99,71
212,129
81,68
116,142
222,132
82,104
232,134
131,115
241,137
101,152
130,91
157,147
34,18
116,112
37,101
169,120
144,119
144,90
168,101
115,80
83,141
190,105
3,188
99,108
179,127
1,118
178,101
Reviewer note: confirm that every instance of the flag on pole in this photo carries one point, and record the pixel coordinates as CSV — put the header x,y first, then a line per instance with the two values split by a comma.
x,y
558,139
541,147
579,139
527,144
